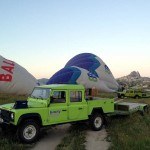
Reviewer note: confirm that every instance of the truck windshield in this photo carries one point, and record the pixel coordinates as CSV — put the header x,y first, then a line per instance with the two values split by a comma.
x,y
40,93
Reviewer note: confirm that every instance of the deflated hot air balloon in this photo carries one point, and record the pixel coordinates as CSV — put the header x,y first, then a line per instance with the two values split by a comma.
x,y
86,69
15,79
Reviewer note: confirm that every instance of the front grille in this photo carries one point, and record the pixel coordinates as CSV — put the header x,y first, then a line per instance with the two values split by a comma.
x,y
5,115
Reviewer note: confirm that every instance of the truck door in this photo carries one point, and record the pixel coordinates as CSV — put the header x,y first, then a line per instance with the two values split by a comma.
x,y
58,110
77,106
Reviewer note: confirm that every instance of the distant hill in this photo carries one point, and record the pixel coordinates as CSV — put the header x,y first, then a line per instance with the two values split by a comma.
x,y
43,81
134,79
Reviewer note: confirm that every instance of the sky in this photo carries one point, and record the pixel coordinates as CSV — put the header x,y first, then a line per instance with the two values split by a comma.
x,y
42,35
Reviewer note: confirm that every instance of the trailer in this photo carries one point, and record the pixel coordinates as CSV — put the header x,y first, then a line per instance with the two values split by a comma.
x,y
127,108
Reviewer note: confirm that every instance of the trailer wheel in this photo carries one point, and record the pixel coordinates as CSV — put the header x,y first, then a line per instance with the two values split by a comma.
x,y
147,109
96,121
122,96
28,131
137,97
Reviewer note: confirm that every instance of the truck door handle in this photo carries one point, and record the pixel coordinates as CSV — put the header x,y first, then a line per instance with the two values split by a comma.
x,y
64,110
80,108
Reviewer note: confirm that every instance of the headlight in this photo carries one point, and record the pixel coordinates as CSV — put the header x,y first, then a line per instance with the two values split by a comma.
x,y
12,116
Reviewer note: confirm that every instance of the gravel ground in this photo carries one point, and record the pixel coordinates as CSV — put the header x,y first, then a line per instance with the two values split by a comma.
x,y
96,140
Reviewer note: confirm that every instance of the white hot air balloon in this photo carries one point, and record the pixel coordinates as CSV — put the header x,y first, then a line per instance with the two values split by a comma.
x,y
15,79
86,69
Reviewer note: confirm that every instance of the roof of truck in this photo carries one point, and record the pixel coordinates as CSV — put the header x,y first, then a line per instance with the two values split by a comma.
x,y
63,86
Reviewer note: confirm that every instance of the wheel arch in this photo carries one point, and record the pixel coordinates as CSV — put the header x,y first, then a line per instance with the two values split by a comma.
x,y
33,116
97,110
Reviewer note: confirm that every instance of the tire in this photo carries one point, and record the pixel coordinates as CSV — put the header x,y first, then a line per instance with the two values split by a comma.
x,y
74,124
96,122
28,132
122,96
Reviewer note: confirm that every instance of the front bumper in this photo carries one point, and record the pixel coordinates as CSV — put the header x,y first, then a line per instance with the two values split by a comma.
x,y
6,123
5,117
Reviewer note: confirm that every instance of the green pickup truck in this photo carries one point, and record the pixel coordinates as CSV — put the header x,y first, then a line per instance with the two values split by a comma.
x,y
51,105
133,93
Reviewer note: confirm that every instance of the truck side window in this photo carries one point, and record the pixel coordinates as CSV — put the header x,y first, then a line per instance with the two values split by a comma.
x,y
75,96
58,97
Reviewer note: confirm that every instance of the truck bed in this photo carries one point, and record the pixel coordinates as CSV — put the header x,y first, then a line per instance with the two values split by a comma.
x,y
107,104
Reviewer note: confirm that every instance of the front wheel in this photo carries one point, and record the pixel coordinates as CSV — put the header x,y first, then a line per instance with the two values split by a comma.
x,y
96,122
28,131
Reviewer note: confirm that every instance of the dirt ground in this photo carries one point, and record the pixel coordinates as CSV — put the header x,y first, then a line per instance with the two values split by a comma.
x,y
52,138
96,140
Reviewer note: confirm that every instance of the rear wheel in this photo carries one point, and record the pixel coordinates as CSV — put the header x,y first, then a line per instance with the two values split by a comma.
x,y
28,131
97,121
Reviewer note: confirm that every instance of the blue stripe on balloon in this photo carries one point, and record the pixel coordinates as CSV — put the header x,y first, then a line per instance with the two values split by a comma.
x,y
67,75
75,75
